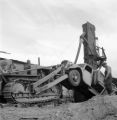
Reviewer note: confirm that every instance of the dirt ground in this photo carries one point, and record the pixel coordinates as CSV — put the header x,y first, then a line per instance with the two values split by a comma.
x,y
97,108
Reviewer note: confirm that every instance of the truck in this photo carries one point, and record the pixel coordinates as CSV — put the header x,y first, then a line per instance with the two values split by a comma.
x,y
84,79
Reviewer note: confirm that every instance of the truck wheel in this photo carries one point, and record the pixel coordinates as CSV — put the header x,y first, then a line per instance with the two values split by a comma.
x,y
74,78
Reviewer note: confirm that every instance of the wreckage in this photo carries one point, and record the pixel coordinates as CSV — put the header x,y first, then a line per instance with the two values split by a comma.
x,y
86,79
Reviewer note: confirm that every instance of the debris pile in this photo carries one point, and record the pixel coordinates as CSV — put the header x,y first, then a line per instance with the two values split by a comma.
x,y
97,108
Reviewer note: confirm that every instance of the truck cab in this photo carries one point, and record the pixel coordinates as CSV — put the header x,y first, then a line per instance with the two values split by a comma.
x,y
85,81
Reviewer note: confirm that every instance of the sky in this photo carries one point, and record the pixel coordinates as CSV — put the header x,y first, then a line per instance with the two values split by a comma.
x,y
50,29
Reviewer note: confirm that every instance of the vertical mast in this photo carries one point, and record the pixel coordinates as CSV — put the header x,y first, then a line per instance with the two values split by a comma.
x,y
90,53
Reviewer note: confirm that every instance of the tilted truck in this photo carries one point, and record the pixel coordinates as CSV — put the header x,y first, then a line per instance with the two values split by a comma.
x,y
86,79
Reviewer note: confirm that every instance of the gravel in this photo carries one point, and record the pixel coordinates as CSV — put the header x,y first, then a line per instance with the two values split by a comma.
x,y
97,108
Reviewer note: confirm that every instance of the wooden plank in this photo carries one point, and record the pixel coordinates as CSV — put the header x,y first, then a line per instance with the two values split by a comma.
x,y
49,85
36,84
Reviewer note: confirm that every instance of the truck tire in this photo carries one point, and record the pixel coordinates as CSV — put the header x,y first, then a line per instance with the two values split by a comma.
x,y
74,78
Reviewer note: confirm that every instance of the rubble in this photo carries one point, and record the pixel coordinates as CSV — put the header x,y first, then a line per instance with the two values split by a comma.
x,y
97,108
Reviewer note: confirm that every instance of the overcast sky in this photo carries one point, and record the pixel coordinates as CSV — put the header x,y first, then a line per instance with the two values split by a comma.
x,y
50,29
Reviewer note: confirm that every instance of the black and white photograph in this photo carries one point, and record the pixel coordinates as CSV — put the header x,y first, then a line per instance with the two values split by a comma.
x,y
58,60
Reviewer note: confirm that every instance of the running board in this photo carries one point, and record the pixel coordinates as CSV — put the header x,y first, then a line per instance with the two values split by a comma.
x,y
93,91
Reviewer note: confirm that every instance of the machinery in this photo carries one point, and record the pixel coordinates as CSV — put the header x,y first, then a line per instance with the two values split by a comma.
x,y
85,79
